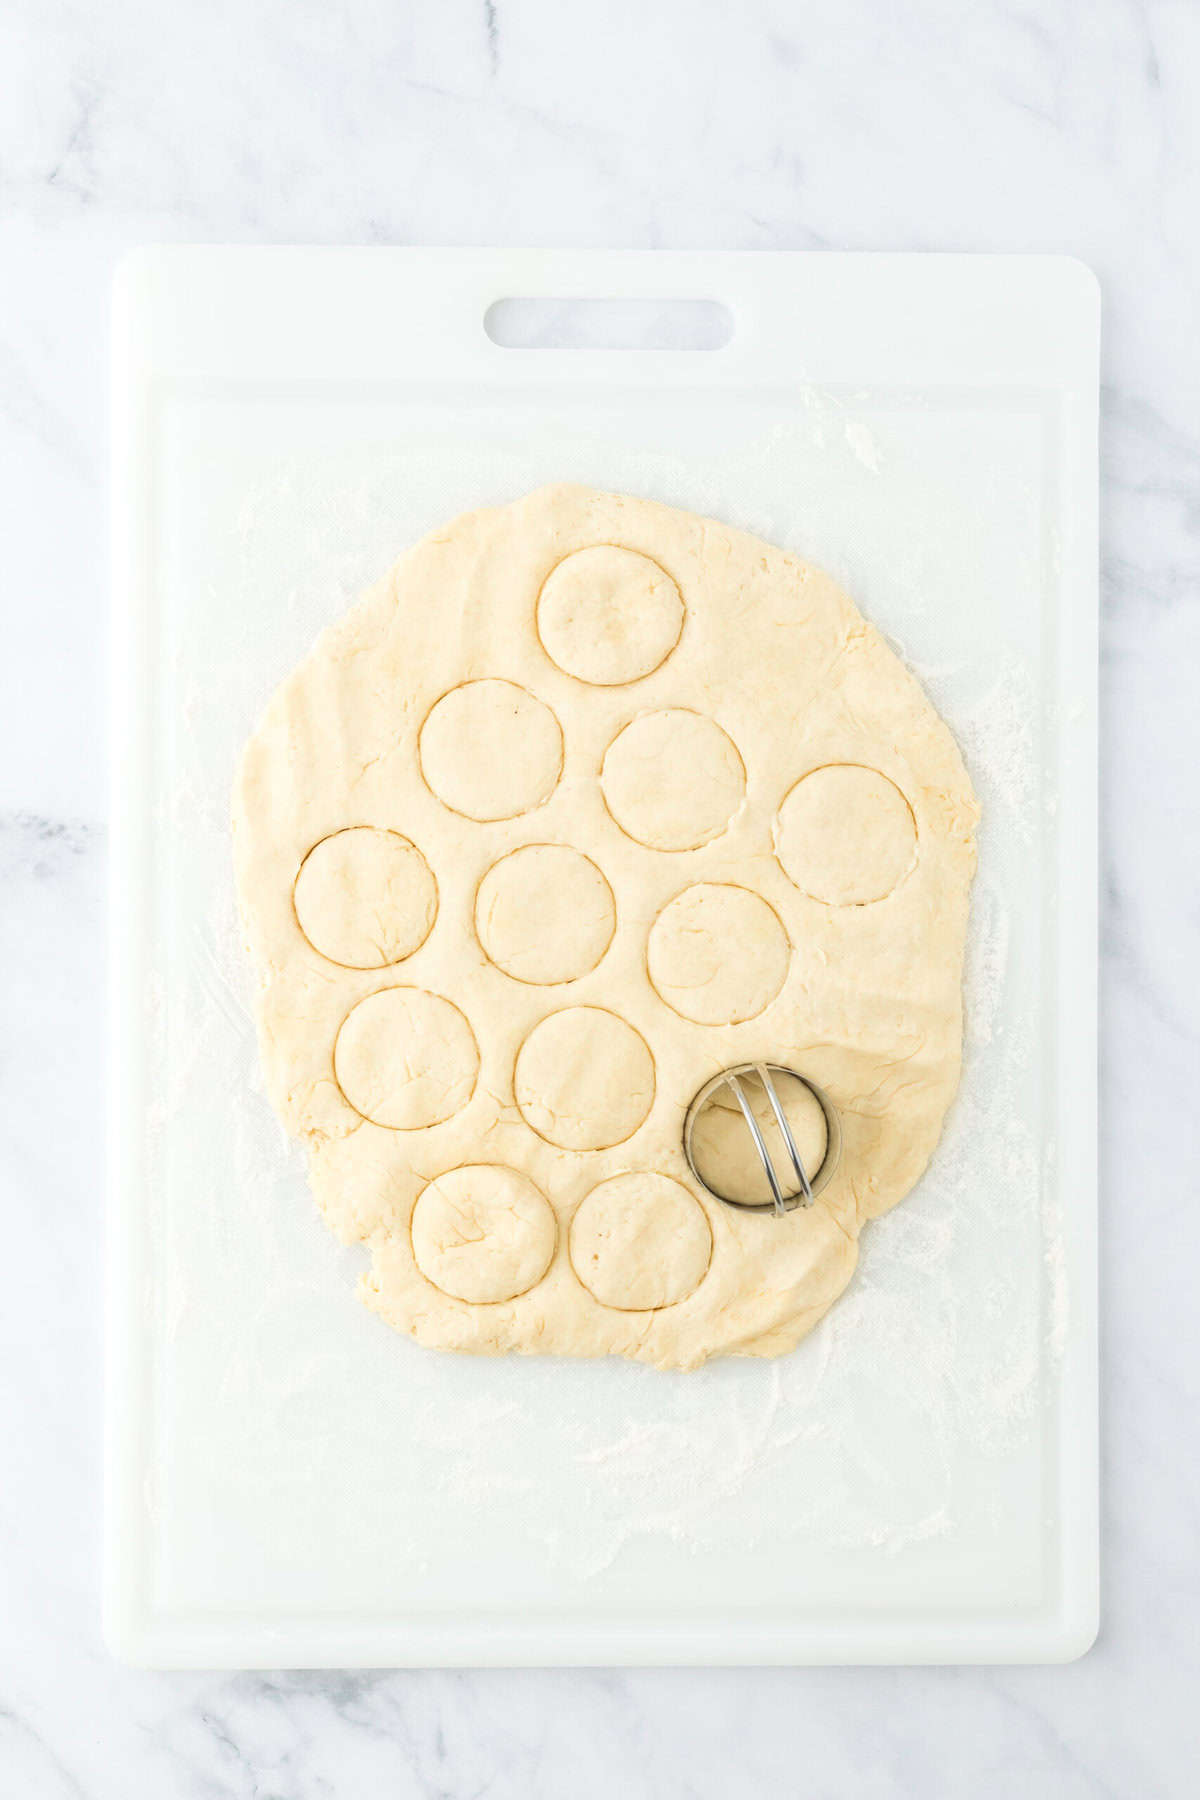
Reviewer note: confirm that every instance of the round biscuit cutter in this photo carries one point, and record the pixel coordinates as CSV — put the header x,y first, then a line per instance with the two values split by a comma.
x,y
809,1185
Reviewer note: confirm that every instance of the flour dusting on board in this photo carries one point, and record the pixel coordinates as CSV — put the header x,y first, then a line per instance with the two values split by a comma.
x,y
862,442
898,1411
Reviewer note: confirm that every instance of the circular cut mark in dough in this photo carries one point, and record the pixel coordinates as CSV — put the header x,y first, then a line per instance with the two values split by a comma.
x,y
365,897
483,1233
490,750
545,914
584,1079
640,1241
724,1152
672,780
846,835
405,1058
608,615
717,954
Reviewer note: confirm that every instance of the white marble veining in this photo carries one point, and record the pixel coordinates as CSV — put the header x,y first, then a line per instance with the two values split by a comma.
x,y
841,123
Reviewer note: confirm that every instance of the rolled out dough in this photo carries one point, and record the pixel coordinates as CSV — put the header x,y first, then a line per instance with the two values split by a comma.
x,y
586,800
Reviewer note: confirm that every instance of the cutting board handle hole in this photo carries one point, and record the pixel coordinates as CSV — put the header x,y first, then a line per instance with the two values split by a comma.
x,y
565,323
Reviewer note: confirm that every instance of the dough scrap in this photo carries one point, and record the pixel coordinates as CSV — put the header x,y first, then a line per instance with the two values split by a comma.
x,y
586,800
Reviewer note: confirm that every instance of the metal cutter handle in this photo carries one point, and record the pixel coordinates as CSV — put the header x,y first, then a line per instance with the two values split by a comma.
x,y
809,1187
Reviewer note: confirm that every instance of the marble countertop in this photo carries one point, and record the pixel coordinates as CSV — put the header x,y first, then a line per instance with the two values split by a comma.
x,y
854,124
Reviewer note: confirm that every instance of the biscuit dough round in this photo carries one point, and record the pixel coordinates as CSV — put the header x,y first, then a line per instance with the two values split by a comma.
x,y
365,898
640,1241
545,914
672,780
718,954
584,1079
517,680
609,616
490,750
483,1233
846,835
405,1059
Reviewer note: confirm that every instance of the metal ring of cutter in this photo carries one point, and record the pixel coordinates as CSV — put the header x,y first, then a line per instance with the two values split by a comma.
x,y
809,1187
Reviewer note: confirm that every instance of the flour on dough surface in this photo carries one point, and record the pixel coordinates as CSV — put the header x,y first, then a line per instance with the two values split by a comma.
x,y
452,1060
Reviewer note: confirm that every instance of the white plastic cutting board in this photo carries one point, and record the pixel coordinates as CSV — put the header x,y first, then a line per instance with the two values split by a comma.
x,y
291,1483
